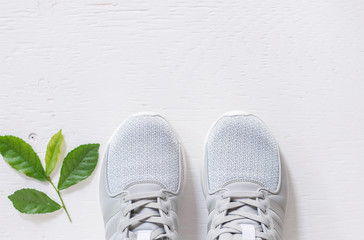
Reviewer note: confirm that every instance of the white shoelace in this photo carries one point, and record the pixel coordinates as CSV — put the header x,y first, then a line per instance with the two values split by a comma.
x,y
157,201
226,222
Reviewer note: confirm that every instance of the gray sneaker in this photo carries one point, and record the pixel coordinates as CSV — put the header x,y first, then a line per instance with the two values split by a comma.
x,y
243,180
141,180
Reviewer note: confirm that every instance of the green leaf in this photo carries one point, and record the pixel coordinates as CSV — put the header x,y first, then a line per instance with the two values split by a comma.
x,y
78,165
53,151
21,156
31,201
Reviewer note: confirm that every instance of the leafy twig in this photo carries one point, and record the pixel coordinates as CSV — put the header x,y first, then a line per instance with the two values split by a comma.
x,y
77,166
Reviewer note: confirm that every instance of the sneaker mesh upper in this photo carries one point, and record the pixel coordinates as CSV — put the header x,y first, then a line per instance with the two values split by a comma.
x,y
241,148
143,150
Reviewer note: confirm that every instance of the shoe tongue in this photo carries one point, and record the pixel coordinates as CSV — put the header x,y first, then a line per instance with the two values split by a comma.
x,y
143,228
144,187
241,187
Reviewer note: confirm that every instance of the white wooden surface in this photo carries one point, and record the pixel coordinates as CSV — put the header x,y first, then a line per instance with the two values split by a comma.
x,y
84,66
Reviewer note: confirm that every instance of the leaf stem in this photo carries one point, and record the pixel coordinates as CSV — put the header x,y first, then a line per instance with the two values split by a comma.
x,y
60,197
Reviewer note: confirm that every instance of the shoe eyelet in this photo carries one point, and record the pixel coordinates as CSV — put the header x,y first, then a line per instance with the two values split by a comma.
x,y
163,198
166,211
264,196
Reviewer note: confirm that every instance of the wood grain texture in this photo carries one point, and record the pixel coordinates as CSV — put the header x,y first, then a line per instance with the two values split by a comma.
x,y
84,66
